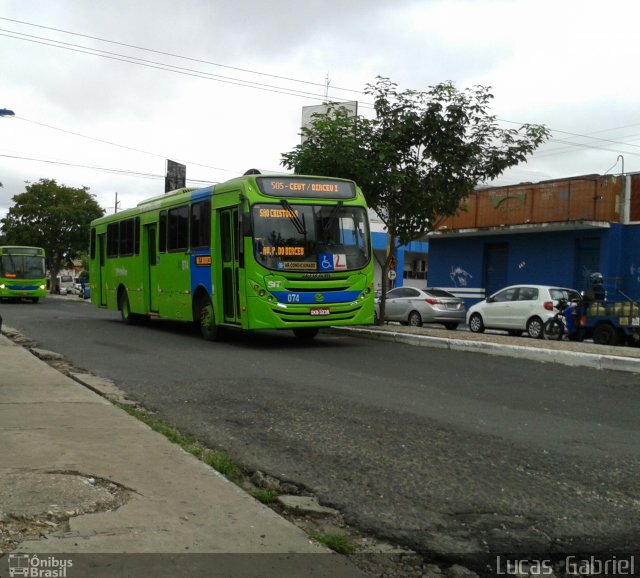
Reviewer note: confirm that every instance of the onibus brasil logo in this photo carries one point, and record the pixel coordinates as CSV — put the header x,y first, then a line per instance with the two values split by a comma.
x,y
31,565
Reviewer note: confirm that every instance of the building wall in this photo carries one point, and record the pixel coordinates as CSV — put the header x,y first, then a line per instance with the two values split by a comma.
x,y
630,262
562,258
407,256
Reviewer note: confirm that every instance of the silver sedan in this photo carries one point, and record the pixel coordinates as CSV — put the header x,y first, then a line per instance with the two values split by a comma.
x,y
411,306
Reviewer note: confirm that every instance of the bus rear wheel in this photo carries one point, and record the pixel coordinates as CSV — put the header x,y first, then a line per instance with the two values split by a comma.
x,y
306,333
125,310
206,320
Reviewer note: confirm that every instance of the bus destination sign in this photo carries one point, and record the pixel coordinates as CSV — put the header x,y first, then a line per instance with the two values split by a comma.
x,y
302,187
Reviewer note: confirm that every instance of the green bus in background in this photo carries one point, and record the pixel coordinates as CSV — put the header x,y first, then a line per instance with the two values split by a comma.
x,y
22,273
255,252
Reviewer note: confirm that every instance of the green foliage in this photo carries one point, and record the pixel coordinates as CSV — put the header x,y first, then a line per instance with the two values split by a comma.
x,y
422,155
420,158
54,217
336,542
265,496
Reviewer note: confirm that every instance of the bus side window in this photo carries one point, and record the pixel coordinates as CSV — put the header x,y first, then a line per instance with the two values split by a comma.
x,y
201,225
92,246
113,239
137,233
162,232
178,232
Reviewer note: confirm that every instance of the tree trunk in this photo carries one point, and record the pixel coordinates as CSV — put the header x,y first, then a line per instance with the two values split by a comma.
x,y
390,258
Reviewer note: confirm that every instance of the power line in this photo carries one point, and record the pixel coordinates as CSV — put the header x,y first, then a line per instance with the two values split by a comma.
x,y
164,66
178,55
238,82
125,147
124,172
249,84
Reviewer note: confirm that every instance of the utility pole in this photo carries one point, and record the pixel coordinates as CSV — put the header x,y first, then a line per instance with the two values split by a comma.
x,y
117,203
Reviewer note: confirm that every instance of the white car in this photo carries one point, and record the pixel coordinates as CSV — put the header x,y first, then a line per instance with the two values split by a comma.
x,y
518,308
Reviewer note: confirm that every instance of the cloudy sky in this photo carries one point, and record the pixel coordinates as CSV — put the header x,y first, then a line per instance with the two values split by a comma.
x,y
105,91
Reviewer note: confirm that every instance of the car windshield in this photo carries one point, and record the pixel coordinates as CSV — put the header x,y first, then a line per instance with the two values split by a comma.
x,y
321,238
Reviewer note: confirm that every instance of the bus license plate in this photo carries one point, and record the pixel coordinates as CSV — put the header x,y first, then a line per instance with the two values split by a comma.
x,y
319,311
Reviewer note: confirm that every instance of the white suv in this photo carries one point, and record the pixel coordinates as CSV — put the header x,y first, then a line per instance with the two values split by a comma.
x,y
518,308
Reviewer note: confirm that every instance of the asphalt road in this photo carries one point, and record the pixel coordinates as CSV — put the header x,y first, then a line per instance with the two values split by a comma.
x,y
443,451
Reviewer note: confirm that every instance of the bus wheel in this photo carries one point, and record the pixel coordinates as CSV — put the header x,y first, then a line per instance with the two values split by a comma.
x,y
206,320
306,333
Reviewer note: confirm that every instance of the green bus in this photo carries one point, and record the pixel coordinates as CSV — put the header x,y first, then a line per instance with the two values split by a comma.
x,y
256,252
22,273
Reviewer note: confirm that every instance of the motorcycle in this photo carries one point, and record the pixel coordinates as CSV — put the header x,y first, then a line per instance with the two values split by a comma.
x,y
566,321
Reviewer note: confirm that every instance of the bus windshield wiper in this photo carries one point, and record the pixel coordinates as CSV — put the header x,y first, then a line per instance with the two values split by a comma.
x,y
331,217
293,217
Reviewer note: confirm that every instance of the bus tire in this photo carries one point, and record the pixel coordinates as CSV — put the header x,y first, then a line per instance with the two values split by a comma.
x,y
205,319
125,309
306,333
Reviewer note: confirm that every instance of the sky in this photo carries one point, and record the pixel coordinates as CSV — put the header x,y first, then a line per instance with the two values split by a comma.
x,y
105,91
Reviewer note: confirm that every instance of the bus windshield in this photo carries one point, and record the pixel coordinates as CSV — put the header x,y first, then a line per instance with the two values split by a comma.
x,y
301,237
22,267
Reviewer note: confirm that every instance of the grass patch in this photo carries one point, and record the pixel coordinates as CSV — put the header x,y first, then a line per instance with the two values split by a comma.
x,y
336,542
265,496
219,461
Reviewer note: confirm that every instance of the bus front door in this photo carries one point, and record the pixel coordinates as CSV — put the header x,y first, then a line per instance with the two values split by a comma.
x,y
230,245
150,265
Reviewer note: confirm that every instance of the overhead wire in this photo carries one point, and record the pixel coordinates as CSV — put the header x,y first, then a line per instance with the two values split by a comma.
x,y
242,83
124,172
173,55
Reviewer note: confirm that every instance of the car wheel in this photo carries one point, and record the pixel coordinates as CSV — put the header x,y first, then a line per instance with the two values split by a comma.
x,y
535,328
476,324
414,319
451,326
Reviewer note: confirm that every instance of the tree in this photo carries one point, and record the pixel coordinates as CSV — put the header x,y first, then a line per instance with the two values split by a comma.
x,y
54,217
418,159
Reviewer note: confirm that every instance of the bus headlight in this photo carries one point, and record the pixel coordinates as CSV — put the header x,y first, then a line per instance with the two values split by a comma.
x,y
43,286
3,286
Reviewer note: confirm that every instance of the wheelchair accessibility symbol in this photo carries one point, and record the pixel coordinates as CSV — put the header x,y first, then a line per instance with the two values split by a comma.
x,y
331,262
325,262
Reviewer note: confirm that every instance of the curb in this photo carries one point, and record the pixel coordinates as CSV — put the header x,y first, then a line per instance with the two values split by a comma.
x,y
571,358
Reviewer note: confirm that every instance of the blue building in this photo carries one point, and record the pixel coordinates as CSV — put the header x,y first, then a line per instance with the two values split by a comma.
x,y
412,258
551,233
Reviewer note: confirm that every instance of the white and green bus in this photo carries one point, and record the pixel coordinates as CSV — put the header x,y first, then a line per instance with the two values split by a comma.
x,y
256,252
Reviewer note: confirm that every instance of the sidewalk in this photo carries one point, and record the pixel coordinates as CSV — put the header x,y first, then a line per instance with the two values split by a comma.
x,y
80,475
577,354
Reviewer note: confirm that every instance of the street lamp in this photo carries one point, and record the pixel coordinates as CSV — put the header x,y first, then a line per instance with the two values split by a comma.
x,y
6,112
